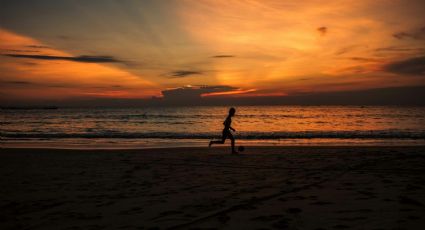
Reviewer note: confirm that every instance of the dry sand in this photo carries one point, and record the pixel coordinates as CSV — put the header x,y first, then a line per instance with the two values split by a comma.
x,y
197,188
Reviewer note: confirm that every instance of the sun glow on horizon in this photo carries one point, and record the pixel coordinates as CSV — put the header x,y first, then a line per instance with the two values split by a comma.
x,y
242,48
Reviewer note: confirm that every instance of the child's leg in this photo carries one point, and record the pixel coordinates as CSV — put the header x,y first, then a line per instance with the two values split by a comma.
x,y
232,139
217,142
223,139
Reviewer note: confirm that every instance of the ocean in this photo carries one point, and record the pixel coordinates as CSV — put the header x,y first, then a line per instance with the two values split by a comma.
x,y
195,126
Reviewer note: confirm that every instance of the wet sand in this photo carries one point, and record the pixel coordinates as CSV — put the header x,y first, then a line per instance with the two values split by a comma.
x,y
201,188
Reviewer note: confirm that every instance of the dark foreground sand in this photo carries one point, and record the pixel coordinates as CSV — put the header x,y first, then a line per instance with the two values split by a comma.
x,y
197,188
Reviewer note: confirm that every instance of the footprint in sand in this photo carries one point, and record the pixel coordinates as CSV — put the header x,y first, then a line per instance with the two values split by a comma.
x,y
321,203
413,217
364,210
267,218
223,218
409,201
411,187
299,198
133,210
340,226
281,224
137,167
352,218
167,213
387,181
293,210
282,199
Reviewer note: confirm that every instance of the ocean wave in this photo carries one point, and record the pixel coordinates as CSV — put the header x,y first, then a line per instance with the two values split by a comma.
x,y
373,134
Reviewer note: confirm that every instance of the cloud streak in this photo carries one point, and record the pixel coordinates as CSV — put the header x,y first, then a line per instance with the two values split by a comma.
x,y
38,47
16,82
184,73
413,66
322,30
193,93
223,56
82,58
414,34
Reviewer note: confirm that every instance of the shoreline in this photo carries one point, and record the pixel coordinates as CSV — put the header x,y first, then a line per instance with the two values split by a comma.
x,y
181,148
92,144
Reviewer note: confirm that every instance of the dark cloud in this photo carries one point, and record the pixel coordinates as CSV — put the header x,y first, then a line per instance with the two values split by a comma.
x,y
17,82
83,58
217,88
38,47
64,37
322,30
29,63
363,59
56,85
184,73
223,56
417,34
20,51
343,50
394,49
348,49
32,84
304,79
192,94
391,50
412,66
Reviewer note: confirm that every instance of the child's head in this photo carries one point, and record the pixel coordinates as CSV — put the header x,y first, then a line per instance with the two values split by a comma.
x,y
232,111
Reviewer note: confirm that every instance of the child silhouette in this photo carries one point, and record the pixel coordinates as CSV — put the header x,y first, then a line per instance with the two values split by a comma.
x,y
226,131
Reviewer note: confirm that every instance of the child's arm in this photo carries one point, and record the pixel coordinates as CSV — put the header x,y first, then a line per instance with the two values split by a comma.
x,y
230,126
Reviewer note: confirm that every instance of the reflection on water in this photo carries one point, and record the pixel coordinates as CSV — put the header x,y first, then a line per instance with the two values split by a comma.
x,y
190,125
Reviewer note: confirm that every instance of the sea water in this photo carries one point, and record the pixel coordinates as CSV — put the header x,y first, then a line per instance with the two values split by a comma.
x,y
195,126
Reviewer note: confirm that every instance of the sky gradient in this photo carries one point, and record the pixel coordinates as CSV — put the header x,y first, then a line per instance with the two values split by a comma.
x,y
69,50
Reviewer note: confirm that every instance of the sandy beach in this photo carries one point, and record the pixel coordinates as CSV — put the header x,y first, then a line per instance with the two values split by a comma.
x,y
201,188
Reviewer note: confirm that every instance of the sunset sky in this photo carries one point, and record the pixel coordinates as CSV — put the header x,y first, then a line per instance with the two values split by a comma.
x,y
63,50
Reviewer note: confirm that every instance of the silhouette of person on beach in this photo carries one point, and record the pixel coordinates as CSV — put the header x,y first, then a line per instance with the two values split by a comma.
x,y
226,131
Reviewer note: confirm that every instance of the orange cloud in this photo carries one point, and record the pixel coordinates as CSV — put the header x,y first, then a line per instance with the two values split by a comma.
x,y
27,73
275,43
230,93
